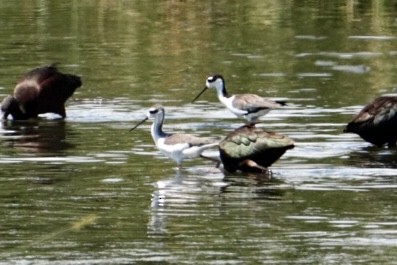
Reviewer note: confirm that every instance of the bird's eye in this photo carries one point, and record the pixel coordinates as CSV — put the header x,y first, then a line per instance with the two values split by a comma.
x,y
211,79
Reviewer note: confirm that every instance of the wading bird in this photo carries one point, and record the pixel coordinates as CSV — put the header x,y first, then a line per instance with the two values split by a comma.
x,y
247,106
252,149
376,122
177,146
41,90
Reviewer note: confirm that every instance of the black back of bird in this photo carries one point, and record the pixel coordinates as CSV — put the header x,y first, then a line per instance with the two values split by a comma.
x,y
376,122
41,90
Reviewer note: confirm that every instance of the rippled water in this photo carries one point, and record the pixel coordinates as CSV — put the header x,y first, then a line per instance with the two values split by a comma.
x,y
88,191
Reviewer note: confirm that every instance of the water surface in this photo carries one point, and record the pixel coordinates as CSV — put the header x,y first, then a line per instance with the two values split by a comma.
x,y
88,191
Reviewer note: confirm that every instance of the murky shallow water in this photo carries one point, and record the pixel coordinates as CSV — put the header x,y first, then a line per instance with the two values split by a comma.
x,y
120,201
88,191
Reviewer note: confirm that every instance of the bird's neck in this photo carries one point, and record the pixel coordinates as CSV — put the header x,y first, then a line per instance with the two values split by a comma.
x,y
157,128
222,92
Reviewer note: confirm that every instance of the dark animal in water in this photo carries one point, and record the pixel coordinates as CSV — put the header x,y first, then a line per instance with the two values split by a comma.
x,y
377,122
41,90
252,149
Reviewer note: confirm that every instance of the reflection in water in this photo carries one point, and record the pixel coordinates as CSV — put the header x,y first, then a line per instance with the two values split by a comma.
x,y
177,195
373,157
164,189
326,57
262,186
38,136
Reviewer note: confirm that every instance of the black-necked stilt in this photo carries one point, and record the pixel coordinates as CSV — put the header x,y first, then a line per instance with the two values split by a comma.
x,y
247,106
176,146
252,149
377,122
41,90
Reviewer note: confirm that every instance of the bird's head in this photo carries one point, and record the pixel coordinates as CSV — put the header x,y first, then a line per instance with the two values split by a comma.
x,y
155,111
216,82
10,105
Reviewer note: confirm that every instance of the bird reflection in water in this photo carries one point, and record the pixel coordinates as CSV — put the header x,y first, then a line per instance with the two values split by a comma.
x,y
38,136
260,186
158,213
177,195
373,157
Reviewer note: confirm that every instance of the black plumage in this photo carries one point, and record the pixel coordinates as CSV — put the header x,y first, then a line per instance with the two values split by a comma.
x,y
377,122
41,90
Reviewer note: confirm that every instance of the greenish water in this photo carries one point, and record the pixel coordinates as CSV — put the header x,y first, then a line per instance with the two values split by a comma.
x,y
88,191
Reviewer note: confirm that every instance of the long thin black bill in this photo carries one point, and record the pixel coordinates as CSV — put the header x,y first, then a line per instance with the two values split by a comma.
x,y
205,88
142,121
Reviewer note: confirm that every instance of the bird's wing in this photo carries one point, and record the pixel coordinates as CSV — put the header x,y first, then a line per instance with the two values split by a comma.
x,y
253,103
382,109
58,86
189,139
249,142
41,73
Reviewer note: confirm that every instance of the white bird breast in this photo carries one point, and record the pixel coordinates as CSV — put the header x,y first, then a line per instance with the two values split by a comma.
x,y
178,151
228,102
